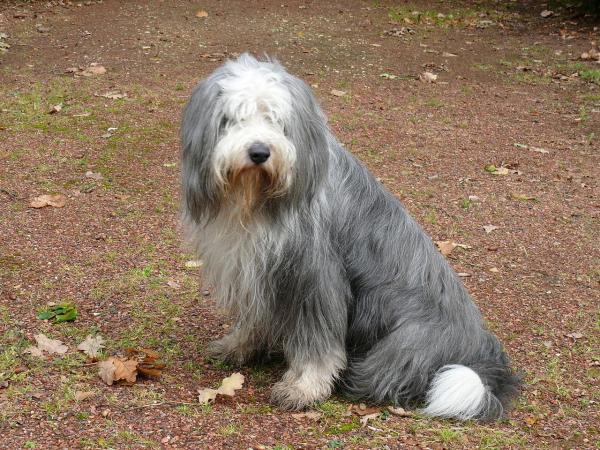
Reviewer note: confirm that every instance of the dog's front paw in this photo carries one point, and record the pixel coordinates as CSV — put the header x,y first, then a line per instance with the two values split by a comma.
x,y
229,350
299,392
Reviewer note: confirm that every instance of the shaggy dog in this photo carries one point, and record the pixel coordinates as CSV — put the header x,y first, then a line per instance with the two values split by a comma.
x,y
314,258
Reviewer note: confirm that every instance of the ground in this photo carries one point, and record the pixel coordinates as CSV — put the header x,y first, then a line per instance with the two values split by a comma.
x,y
511,91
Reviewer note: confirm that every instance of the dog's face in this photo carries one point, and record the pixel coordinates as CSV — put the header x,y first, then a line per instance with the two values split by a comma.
x,y
252,135
253,158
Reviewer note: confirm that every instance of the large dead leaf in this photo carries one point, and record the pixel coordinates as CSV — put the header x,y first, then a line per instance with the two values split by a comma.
x,y
92,345
45,344
115,369
228,387
56,201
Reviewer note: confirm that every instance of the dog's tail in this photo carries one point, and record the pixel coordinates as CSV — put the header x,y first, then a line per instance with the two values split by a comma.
x,y
461,392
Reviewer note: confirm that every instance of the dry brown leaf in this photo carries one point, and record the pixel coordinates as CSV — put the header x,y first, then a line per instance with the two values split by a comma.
x,y
107,371
113,95
338,93
206,396
446,247
312,415
363,410
428,77
365,419
50,346
94,69
83,395
231,384
201,13
55,109
92,345
489,228
517,196
400,412
228,387
57,201
115,369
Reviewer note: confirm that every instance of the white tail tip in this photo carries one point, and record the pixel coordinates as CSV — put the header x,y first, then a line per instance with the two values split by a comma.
x,y
457,392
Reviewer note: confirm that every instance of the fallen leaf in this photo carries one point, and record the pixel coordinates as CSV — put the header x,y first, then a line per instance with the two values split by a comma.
x,y
400,412
446,247
173,284
463,274
41,28
365,419
57,201
448,55
501,171
428,77
362,410
338,93
206,396
494,270
388,76
228,387
201,13
530,420
546,13
94,175
489,228
92,70
45,344
113,95
231,384
576,335
532,148
92,345
312,415
193,264
523,197
115,369
149,366
55,109
83,395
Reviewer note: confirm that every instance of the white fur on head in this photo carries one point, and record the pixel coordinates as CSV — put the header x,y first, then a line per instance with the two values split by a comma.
x,y
255,107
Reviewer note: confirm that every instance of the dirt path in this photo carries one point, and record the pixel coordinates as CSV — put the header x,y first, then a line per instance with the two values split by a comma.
x,y
511,91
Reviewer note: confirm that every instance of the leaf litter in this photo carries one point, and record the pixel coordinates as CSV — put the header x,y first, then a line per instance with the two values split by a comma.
x,y
56,201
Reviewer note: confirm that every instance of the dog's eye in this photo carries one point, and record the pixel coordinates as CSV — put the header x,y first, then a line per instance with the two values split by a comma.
x,y
224,122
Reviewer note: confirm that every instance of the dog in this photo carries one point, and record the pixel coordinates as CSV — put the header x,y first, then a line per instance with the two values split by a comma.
x,y
313,258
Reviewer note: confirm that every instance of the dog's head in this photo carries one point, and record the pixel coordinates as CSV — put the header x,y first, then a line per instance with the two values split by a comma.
x,y
253,136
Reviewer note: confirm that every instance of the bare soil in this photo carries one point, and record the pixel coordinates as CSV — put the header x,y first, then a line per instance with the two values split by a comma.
x,y
510,83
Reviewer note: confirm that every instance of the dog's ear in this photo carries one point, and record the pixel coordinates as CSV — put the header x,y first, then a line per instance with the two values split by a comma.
x,y
199,134
307,129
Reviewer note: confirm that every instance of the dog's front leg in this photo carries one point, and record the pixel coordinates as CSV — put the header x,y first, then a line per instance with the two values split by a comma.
x,y
236,348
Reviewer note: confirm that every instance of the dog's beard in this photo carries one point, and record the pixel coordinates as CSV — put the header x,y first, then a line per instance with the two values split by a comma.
x,y
250,188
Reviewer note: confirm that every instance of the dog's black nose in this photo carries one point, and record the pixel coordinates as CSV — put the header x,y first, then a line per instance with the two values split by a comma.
x,y
258,153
